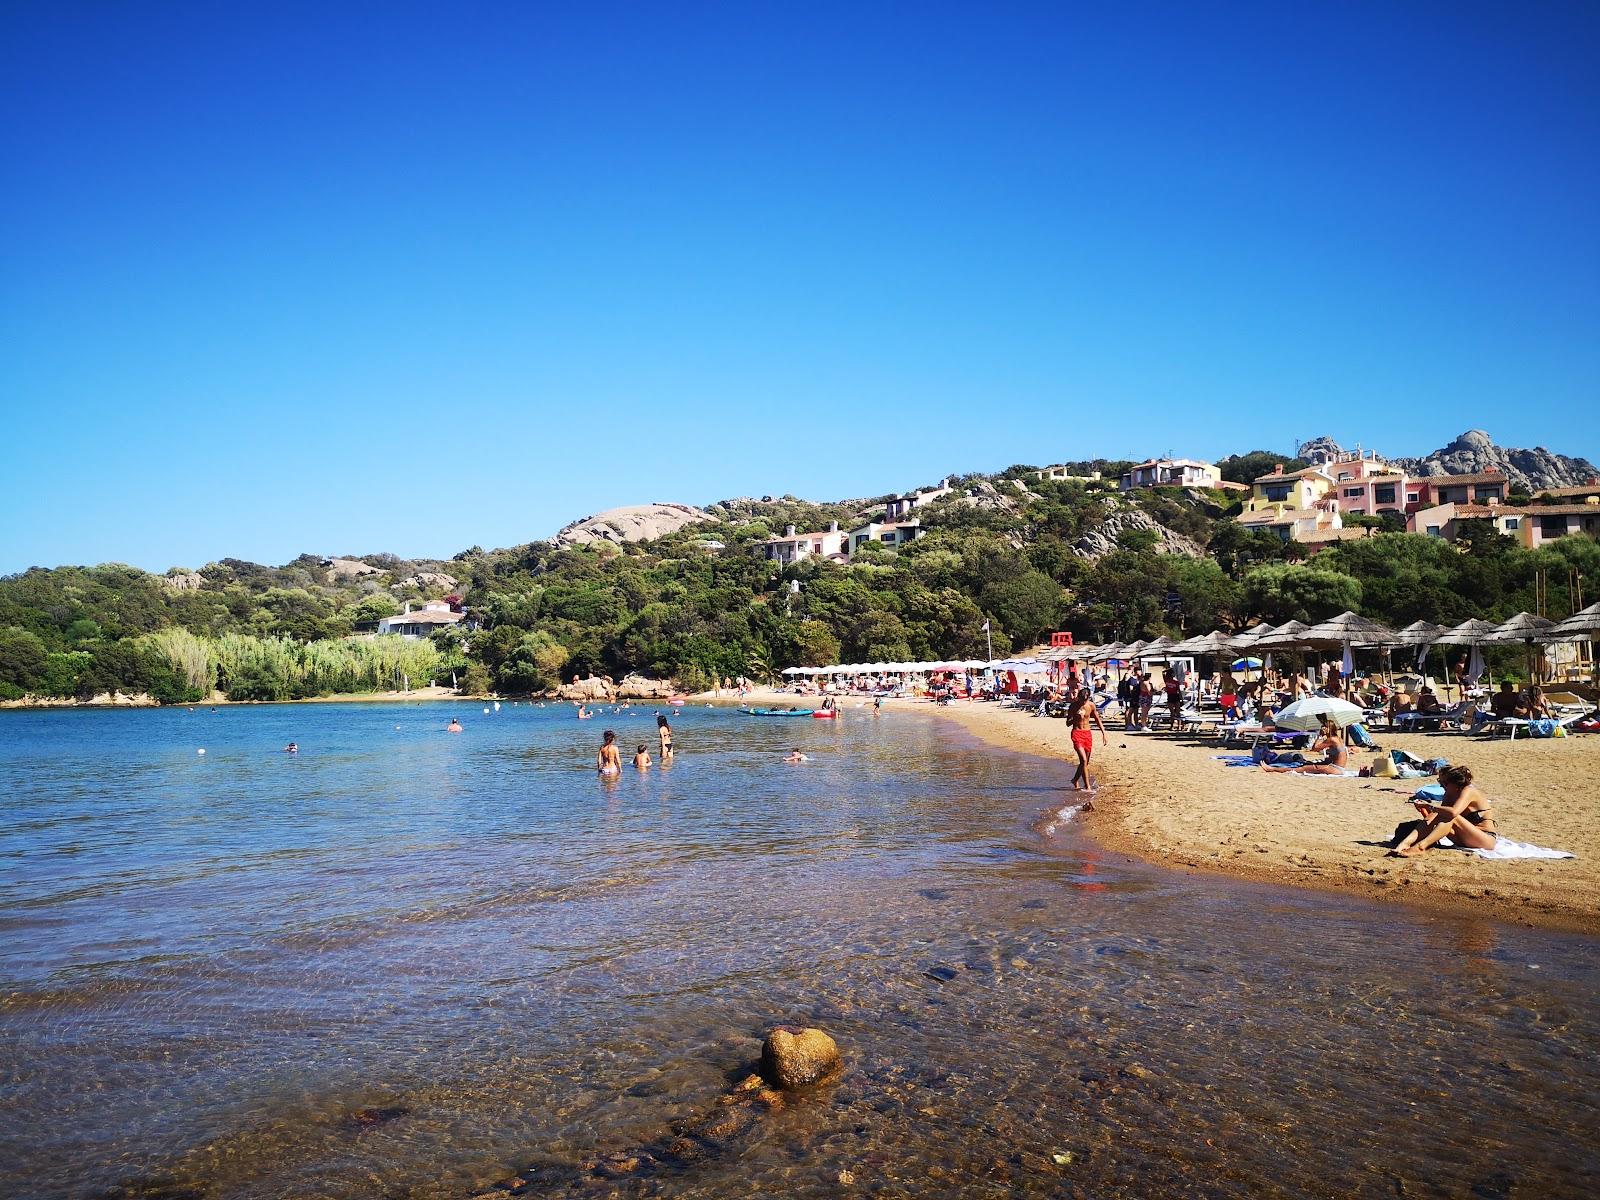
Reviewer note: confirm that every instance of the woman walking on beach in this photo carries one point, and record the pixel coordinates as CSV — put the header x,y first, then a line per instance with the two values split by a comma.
x,y
1079,716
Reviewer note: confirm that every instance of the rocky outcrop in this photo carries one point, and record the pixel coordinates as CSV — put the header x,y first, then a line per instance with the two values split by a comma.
x,y
184,581
1528,470
640,687
426,580
798,1058
635,523
348,568
596,688
1102,539
984,496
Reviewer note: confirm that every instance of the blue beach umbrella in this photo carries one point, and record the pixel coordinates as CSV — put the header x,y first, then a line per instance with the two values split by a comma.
x,y
1245,664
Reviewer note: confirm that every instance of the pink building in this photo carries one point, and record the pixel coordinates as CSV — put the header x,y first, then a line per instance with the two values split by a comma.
x,y
1365,483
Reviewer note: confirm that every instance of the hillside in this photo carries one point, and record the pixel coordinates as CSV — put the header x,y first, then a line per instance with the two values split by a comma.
x,y
674,591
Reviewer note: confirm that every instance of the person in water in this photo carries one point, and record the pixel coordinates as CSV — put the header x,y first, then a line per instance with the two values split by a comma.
x,y
795,756
609,760
1334,755
453,727
583,713
291,748
641,758
877,704
1081,714
664,732
1466,817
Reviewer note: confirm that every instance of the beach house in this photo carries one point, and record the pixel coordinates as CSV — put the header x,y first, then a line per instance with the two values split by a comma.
x,y
1586,493
1294,524
793,547
892,534
420,622
1171,472
1366,484
1297,490
901,506
1546,522
1488,487
1445,520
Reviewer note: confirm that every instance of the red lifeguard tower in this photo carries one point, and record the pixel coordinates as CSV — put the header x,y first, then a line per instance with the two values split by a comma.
x,y
1060,639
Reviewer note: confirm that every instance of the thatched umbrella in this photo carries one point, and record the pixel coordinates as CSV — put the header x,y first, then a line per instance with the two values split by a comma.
x,y
1421,634
1583,625
1526,628
1246,638
1284,637
1472,633
1106,653
1348,629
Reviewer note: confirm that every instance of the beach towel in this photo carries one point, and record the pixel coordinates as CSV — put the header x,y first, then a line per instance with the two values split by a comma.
x,y
1235,760
1504,847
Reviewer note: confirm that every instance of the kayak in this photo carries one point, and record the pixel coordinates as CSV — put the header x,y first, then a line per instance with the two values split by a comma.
x,y
778,712
824,715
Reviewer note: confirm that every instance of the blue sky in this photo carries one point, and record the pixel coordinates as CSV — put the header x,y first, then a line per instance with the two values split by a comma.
x,y
353,278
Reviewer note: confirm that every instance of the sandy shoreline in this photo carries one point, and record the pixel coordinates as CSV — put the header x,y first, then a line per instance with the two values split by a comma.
x,y
1166,799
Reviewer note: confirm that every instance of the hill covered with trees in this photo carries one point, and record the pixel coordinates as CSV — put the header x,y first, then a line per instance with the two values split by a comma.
x,y
1029,555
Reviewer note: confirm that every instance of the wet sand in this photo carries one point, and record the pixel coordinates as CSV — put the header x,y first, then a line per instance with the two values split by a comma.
x,y
1165,798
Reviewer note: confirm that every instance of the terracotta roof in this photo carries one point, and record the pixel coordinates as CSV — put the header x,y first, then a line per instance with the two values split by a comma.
x,y
1563,510
1279,476
425,617
1452,480
1588,489
1350,534
1485,510
1288,515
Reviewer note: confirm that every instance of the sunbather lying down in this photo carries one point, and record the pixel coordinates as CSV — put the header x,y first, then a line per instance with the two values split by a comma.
x,y
1334,758
1465,816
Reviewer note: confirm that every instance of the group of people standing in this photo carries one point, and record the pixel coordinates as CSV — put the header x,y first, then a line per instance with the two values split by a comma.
x,y
609,759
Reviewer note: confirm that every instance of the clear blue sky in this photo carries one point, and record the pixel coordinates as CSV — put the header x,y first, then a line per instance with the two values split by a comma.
x,y
349,278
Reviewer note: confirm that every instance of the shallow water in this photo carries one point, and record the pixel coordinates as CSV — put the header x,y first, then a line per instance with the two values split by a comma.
x,y
405,963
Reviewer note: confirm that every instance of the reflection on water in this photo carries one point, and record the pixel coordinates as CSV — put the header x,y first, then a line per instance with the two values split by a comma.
x,y
403,963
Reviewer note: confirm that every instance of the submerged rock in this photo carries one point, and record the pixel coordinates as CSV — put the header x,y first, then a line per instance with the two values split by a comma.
x,y
798,1058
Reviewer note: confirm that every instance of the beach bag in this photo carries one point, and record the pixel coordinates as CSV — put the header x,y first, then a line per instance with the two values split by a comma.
x,y
1360,737
1542,728
1383,767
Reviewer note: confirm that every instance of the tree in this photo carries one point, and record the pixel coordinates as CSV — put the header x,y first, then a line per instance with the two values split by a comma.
x,y
1027,606
1295,593
1247,468
22,662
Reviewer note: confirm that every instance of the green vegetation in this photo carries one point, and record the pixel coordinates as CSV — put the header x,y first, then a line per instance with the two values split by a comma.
x,y
678,609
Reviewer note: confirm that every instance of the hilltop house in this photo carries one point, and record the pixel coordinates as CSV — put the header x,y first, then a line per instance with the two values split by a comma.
x,y
792,547
1488,487
1171,472
892,534
1057,474
1295,524
1546,522
1444,520
1587,493
1366,484
1297,490
901,506
420,622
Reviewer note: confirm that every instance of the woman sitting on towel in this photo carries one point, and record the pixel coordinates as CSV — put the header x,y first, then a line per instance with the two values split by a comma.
x,y
1466,817
1334,755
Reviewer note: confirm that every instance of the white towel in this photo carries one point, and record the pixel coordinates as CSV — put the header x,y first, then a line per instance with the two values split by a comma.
x,y
1504,847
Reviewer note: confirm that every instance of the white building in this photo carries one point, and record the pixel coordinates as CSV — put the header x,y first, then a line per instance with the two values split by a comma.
x,y
794,547
892,534
901,506
1172,472
420,622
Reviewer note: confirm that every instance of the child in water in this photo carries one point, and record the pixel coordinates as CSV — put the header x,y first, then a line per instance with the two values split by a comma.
x,y
795,756
642,758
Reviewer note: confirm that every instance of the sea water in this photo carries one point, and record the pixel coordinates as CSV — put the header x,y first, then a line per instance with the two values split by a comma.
x,y
403,962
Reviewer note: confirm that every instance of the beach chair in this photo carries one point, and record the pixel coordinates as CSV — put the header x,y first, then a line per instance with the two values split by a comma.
x,y
1510,725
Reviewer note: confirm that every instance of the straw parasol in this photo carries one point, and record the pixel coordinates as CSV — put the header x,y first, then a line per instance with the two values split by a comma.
x,y
1284,637
1161,645
1106,653
1419,633
1585,623
1348,629
1468,633
1246,638
1524,627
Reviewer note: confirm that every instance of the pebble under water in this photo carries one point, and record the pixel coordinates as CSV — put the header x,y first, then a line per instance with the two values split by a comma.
x,y
403,963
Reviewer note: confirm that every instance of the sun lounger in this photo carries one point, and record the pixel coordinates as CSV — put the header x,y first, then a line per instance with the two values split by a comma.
x,y
1512,724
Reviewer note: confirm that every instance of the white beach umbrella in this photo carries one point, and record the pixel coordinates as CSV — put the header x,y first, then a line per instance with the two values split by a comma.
x,y
1309,714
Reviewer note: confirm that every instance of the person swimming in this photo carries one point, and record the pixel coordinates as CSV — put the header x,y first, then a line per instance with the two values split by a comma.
x,y
453,727
794,756
641,758
609,760
291,748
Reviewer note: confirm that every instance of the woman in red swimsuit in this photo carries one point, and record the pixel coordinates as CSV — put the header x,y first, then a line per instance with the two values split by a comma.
x,y
1080,714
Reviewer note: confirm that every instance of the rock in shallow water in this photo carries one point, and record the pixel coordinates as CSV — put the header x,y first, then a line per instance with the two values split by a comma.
x,y
798,1058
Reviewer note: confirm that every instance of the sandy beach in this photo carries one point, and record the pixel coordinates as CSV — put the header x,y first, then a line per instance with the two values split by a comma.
x,y
1166,798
